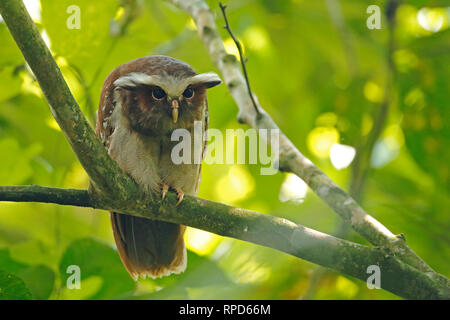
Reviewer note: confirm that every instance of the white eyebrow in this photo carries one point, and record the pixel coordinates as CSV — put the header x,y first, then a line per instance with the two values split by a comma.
x,y
209,77
172,85
137,78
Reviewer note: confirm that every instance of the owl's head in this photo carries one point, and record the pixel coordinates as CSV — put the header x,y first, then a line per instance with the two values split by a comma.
x,y
158,94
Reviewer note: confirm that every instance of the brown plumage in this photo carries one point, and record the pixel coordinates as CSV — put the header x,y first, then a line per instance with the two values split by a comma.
x,y
142,102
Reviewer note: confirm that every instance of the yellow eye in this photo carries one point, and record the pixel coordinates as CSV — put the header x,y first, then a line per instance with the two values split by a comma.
x,y
188,93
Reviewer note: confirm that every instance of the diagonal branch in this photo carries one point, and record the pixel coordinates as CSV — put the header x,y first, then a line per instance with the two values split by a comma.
x,y
89,150
290,158
361,163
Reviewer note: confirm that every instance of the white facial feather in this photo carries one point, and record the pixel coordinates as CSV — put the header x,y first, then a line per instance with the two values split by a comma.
x,y
173,86
209,77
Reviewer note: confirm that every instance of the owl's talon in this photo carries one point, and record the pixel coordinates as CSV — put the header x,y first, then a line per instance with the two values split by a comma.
x,y
180,196
164,190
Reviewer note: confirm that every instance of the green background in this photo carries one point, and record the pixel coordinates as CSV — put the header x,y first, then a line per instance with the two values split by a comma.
x,y
319,72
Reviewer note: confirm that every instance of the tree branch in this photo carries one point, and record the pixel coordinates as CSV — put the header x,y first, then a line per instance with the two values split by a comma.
x,y
290,158
34,193
277,233
361,163
104,173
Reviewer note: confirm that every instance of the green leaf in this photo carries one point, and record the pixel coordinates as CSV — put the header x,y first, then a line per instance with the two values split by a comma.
x,y
9,264
13,288
95,258
39,279
15,166
90,287
10,54
9,80
201,273
78,46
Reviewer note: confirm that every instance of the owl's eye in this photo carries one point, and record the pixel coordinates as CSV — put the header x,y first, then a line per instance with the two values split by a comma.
x,y
188,93
158,93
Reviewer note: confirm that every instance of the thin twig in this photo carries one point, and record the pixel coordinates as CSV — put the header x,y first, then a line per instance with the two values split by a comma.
x,y
34,193
241,56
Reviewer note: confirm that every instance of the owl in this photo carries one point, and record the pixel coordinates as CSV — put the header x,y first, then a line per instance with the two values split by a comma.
x,y
142,102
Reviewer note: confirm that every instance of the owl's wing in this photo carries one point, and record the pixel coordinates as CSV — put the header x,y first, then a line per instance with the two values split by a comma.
x,y
104,127
205,131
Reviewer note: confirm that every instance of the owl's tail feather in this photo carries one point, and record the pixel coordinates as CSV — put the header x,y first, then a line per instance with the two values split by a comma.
x,y
149,247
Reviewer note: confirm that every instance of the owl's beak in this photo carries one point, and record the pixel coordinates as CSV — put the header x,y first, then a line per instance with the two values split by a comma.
x,y
175,110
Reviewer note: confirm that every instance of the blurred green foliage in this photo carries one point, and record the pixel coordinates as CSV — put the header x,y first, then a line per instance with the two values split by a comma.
x,y
322,82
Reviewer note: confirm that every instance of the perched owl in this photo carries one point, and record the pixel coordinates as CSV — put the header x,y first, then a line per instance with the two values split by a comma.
x,y
142,102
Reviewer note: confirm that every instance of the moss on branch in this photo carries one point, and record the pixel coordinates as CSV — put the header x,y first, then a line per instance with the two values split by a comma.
x,y
341,255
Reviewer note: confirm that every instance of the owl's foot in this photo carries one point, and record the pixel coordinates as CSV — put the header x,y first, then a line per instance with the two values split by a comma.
x,y
180,195
164,190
